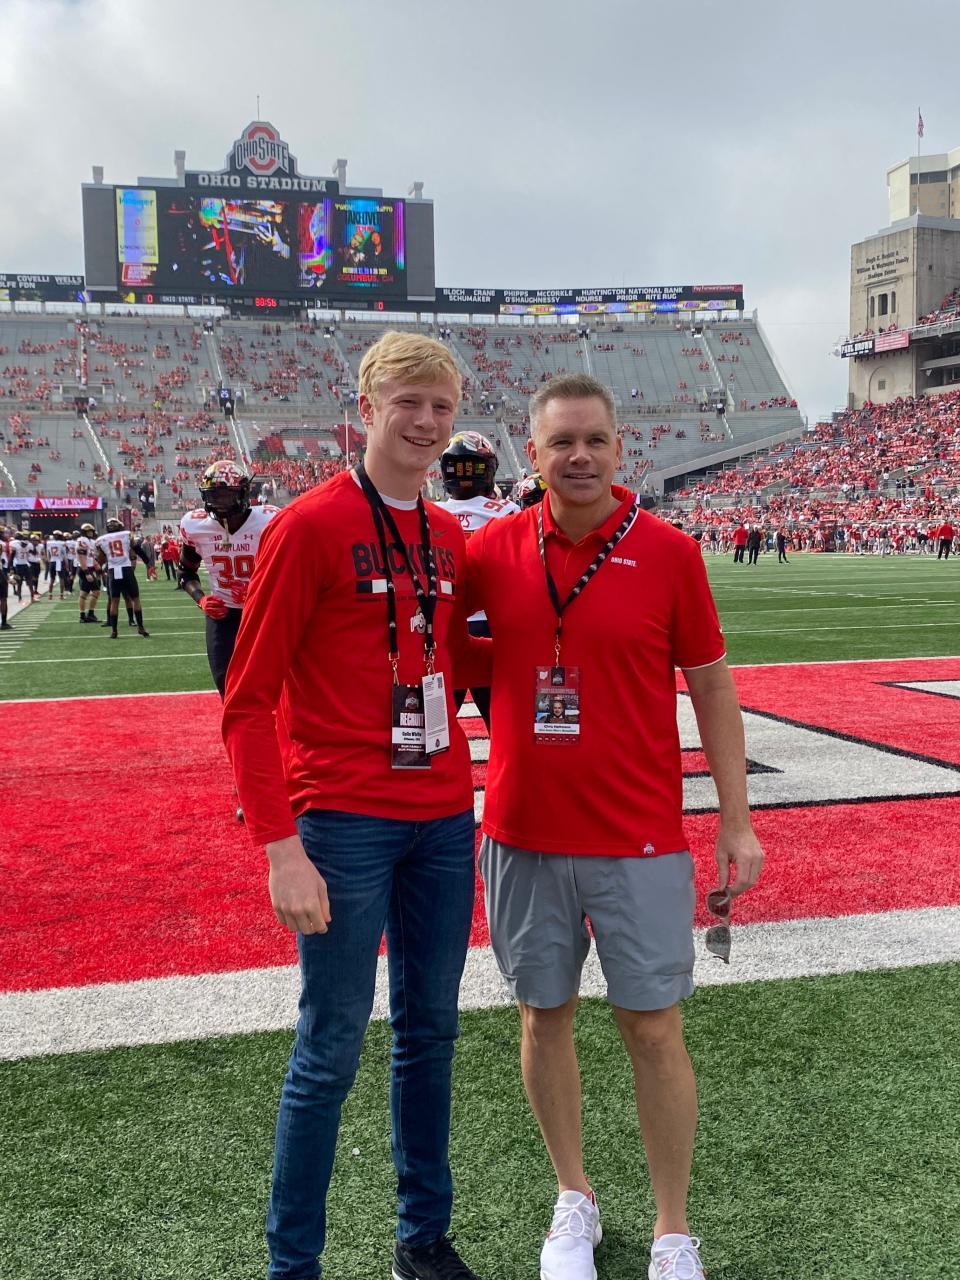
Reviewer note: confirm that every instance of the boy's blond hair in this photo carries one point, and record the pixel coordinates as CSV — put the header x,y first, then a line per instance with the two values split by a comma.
x,y
407,357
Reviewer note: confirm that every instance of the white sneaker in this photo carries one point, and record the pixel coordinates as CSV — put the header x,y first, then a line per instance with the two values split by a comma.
x,y
567,1252
676,1257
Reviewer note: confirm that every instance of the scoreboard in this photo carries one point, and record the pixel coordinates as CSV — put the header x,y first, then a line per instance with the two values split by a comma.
x,y
259,237
256,232
182,241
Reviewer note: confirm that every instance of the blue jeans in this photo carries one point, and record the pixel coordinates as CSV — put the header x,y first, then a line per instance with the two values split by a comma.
x,y
416,880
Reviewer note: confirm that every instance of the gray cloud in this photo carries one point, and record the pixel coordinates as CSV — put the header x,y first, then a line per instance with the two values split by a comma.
x,y
564,143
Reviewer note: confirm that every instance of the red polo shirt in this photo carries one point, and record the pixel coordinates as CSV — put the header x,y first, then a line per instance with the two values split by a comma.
x,y
313,642
946,531
648,609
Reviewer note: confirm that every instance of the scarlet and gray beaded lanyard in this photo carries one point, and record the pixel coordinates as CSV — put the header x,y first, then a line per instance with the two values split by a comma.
x,y
561,607
427,601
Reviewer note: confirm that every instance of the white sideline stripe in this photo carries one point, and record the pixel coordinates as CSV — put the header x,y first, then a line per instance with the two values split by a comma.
x,y
468,709
60,637
829,628
163,1010
884,607
114,657
105,697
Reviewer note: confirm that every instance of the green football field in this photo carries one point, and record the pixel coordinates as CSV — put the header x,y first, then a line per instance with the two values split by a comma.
x,y
830,1107
818,608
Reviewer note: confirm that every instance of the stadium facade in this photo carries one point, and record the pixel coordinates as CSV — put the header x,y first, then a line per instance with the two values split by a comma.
x,y
904,330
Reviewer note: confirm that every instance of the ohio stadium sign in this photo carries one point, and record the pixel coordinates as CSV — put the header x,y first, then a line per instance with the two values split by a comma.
x,y
260,160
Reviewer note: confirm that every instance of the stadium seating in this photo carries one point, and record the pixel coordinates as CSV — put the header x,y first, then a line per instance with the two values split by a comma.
x,y
155,380
883,465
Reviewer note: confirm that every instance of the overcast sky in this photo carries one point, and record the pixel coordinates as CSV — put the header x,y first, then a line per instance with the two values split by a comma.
x,y
601,143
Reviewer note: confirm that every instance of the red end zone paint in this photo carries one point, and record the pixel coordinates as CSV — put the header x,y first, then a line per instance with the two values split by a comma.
x,y
111,876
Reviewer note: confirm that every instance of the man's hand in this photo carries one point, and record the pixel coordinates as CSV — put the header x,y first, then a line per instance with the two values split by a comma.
x,y
740,851
297,889
212,606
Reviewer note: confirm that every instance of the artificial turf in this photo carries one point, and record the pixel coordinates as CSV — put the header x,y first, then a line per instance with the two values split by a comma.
x,y
827,1146
829,1135
818,608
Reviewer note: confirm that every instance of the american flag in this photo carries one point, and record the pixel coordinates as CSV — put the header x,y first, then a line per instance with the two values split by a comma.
x,y
919,124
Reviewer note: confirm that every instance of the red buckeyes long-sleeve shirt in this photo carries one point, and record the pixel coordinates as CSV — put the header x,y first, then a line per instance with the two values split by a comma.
x,y
313,643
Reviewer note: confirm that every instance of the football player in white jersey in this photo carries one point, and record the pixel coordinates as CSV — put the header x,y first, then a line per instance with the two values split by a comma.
x,y
56,562
20,557
70,542
114,555
468,466
89,570
34,556
225,536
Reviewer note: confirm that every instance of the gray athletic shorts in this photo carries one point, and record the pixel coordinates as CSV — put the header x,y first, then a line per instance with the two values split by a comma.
x,y
640,911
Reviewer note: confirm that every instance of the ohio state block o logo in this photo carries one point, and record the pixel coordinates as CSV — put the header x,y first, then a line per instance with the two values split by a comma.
x,y
260,149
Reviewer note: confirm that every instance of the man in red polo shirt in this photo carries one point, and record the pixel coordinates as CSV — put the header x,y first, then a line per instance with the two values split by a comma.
x,y
739,542
363,799
583,808
944,540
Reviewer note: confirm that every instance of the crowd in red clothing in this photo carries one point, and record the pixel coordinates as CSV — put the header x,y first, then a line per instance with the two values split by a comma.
x,y
890,468
947,310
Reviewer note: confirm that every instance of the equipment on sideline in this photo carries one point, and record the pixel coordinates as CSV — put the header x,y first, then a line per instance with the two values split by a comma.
x,y
225,490
469,466
529,491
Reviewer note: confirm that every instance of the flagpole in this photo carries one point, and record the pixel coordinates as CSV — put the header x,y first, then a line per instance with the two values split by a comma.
x,y
919,136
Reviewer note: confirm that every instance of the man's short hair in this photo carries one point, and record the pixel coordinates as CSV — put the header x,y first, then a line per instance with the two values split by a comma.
x,y
407,357
570,386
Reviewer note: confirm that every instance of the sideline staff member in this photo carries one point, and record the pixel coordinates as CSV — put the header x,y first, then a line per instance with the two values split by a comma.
x,y
354,615
584,819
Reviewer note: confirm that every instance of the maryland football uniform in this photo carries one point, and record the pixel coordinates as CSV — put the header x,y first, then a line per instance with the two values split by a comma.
x,y
229,557
86,552
120,575
473,514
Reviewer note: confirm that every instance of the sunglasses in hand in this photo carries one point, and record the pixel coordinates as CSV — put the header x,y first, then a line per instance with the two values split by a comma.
x,y
718,935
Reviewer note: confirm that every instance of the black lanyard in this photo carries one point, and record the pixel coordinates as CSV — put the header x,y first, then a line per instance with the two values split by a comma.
x,y
591,569
427,601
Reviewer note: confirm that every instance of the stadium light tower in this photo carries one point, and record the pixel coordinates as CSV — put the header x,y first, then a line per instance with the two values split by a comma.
x,y
340,169
416,191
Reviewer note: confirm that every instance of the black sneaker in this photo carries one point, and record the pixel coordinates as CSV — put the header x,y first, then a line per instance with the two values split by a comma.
x,y
437,1261
5,626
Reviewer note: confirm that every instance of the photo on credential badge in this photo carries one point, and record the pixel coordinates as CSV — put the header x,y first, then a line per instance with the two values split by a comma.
x,y
557,704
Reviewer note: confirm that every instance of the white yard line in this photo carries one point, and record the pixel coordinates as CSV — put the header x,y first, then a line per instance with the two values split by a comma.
x,y
114,657
161,1010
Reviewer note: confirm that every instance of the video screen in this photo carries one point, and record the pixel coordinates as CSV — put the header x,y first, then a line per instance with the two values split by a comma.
x,y
137,242
212,245
370,250
314,242
183,242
